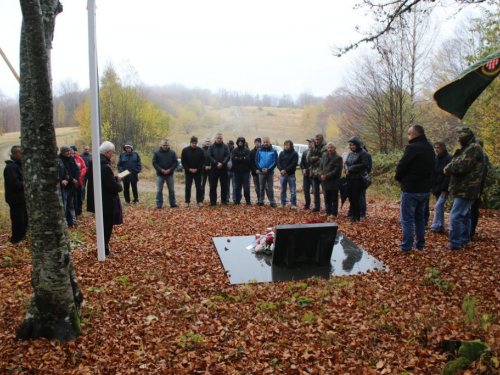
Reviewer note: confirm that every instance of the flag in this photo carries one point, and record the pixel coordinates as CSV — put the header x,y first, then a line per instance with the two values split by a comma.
x,y
457,96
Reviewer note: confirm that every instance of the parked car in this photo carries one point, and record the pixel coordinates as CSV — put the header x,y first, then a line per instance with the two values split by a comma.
x,y
179,168
300,148
278,149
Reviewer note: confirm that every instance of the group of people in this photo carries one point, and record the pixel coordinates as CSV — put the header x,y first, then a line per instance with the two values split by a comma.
x,y
424,169
423,172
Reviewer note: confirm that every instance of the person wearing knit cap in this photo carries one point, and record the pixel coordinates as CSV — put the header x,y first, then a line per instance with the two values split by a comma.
x,y
193,160
130,161
465,171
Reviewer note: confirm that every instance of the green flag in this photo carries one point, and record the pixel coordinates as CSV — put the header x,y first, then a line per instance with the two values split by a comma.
x,y
457,96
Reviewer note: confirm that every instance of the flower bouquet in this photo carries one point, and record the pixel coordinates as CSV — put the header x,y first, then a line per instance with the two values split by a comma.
x,y
263,243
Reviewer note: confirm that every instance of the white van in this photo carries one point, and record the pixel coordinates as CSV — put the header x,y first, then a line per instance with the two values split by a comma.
x,y
300,148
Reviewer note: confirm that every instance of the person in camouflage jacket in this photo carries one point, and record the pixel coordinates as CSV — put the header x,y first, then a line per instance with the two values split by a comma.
x,y
465,171
314,159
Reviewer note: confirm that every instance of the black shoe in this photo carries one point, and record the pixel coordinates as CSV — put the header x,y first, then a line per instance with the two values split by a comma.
x,y
136,202
315,210
159,207
273,205
455,248
307,207
260,204
173,206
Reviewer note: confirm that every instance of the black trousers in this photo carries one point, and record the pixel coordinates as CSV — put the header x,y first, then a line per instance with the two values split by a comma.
x,y
108,230
19,221
197,183
217,174
355,190
126,191
474,215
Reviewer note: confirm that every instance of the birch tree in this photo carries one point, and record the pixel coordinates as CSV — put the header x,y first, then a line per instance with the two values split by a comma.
x,y
54,310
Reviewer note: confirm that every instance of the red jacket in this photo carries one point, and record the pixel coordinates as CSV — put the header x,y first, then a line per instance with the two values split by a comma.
x,y
83,168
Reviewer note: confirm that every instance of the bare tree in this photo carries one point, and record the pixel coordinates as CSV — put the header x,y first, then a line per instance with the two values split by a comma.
x,y
54,310
387,15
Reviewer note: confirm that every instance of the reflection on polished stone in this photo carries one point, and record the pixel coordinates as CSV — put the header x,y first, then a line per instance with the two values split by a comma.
x,y
243,266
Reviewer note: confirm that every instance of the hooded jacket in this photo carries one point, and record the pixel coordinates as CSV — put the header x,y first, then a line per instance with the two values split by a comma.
x,y
357,162
266,158
240,157
131,162
466,169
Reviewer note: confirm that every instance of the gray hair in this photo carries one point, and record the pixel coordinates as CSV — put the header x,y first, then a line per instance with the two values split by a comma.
x,y
165,141
106,146
332,144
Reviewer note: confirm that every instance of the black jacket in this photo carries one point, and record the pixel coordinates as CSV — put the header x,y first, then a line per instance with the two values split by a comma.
x,y
71,170
440,181
253,165
109,187
288,160
192,157
165,160
240,157
13,181
357,162
303,161
218,153
414,170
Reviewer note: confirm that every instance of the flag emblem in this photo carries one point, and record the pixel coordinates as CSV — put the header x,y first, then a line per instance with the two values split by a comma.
x,y
492,67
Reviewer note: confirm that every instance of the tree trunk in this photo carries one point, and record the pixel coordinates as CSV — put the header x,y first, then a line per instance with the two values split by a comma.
x,y
54,311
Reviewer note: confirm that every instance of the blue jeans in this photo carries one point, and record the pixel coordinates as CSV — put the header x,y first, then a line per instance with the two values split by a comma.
x,y
241,180
306,185
290,180
159,189
68,204
331,202
460,222
412,219
438,221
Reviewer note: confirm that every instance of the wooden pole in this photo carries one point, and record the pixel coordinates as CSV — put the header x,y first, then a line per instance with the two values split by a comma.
x,y
10,65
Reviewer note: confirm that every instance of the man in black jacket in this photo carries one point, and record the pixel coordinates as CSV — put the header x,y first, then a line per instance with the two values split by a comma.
x,y
205,174
87,157
110,187
440,184
306,177
193,160
240,158
287,163
14,195
219,155
414,172
165,162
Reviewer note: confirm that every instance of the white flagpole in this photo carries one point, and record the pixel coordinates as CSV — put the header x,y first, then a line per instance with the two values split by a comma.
x,y
95,126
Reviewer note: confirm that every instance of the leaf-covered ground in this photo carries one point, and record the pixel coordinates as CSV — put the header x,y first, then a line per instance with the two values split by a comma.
x,y
164,303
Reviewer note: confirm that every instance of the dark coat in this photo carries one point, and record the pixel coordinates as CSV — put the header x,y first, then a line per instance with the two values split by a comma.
x,y
440,181
165,160
109,188
131,162
357,162
331,167
288,160
218,153
13,182
414,170
303,161
71,170
240,157
86,158
192,157
253,165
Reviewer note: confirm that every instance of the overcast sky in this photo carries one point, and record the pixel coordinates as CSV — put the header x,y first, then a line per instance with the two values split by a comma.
x,y
262,47
272,47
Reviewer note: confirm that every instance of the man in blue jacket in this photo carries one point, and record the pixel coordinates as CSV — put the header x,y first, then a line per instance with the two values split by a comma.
x,y
130,161
165,162
266,160
287,164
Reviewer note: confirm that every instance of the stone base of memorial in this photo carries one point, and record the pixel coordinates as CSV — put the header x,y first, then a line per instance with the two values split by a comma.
x,y
300,252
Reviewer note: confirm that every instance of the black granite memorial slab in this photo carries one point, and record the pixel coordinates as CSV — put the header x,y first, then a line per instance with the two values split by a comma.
x,y
243,266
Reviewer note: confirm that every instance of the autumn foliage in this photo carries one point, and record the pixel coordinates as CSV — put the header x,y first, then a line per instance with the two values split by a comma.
x,y
164,304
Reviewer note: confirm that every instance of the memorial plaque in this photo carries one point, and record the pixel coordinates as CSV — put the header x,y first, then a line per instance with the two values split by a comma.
x,y
243,266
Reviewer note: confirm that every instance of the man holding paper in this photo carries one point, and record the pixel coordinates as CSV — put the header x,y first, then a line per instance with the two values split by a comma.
x,y
130,161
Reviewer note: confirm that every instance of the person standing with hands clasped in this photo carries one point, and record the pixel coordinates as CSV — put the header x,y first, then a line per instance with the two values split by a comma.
x,y
330,172
165,162
193,160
